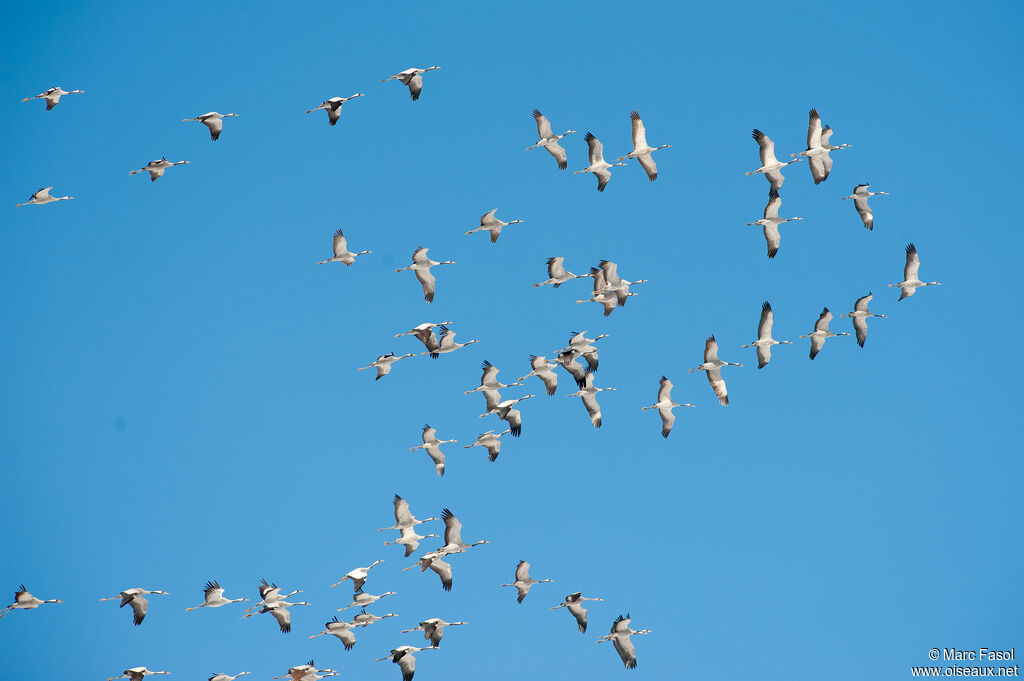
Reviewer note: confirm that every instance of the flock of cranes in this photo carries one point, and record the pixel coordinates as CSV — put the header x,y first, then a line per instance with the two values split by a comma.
x,y
579,359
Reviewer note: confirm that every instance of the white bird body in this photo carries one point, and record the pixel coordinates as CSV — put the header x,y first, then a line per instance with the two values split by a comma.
x,y
911,282
23,600
384,362
771,167
333,107
620,638
307,672
588,394
771,221
214,597
641,150
583,346
212,120
432,446
361,599
860,198
821,332
664,405
524,581
421,265
598,166
413,78
53,95
713,366
136,598
43,196
573,603
489,223
764,340
156,168
358,576
860,316
341,252
549,140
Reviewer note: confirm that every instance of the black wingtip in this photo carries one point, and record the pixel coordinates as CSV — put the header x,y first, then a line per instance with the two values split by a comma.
x,y
536,113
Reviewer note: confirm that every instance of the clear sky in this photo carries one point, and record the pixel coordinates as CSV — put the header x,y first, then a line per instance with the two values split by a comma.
x,y
180,397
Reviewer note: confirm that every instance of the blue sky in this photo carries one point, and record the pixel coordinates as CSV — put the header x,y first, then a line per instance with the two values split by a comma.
x,y
181,399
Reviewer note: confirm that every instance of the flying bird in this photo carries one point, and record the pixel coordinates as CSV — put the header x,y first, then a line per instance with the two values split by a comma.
x,y
771,221
549,141
280,612
641,151
413,78
136,674
504,410
361,599
23,600
214,597
489,223
584,346
404,517
453,535
343,631
43,196
545,371
664,405
225,677
156,168
433,447
403,657
598,166
384,362
764,340
620,638
860,198
588,394
821,332
212,120
440,567
817,156
491,442
421,265
573,603
410,540
358,576
135,597
333,107
425,334
306,672
713,366
524,581
771,167
567,360
341,252
557,274
910,282
365,619
270,593
860,316
433,629
53,95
